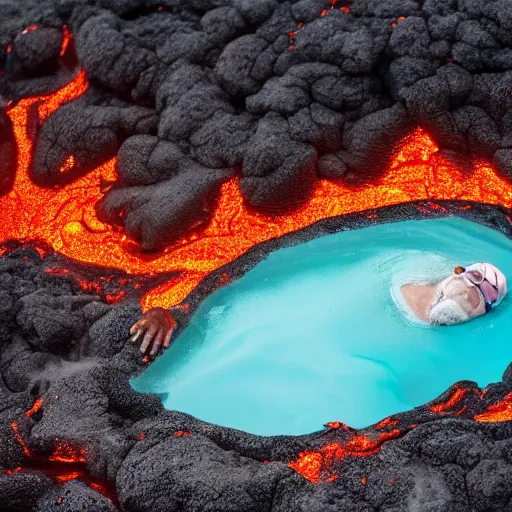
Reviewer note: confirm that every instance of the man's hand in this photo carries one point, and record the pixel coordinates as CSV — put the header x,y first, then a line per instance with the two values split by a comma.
x,y
155,327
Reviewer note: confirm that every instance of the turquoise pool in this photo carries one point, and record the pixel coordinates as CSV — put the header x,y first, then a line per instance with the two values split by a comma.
x,y
313,334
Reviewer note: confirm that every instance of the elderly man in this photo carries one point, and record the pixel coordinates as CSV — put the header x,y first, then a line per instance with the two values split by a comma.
x,y
466,294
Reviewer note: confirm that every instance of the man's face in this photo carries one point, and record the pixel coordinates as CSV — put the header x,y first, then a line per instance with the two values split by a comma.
x,y
468,293
456,300
464,293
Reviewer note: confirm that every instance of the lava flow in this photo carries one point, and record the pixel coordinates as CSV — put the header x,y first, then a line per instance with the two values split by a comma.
x,y
501,411
68,462
65,219
318,465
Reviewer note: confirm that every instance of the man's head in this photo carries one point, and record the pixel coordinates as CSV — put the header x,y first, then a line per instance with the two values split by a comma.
x,y
468,293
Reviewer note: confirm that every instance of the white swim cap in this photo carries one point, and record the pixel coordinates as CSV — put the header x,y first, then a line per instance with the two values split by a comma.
x,y
489,280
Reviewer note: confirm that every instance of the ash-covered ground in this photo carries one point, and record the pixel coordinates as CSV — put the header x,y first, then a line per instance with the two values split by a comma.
x,y
188,93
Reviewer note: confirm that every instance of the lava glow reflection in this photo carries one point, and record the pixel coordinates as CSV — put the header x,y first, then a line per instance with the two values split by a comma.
x,y
65,217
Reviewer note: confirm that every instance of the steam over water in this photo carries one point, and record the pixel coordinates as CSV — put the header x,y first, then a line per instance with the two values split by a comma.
x,y
315,333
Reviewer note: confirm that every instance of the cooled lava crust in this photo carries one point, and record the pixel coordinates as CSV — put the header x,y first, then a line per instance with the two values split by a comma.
x,y
188,95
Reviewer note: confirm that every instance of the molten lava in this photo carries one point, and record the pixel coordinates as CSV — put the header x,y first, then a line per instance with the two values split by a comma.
x,y
35,408
68,462
454,399
65,217
502,411
19,439
64,452
319,465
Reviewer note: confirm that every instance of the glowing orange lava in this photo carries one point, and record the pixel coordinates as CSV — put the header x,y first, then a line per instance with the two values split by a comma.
x,y
20,439
65,452
12,471
318,465
65,217
181,433
36,407
30,28
386,422
66,39
454,399
502,411
66,477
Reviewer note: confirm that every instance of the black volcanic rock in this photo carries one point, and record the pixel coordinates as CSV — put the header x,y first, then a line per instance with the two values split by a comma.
x,y
282,91
90,130
36,49
21,490
73,497
153,214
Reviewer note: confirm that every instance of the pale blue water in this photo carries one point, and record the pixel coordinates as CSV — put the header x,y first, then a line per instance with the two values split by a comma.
x,y
312,333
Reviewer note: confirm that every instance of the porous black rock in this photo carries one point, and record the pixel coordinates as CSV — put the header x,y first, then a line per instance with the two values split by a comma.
x,y
153,214
22,490
89,130
36,49
73,497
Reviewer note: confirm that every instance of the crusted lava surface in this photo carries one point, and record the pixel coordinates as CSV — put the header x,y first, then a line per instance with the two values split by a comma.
x,y
264,98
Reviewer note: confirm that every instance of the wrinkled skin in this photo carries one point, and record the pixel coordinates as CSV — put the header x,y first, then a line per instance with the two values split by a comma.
x,y
153,330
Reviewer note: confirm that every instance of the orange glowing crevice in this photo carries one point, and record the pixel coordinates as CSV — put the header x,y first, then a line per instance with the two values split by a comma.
x,y
454,399
65,452
12,471
335,425
318,466
386,422
181,433
502,411
66,39
20,439
100,488
35,408
30,28
65,219
66,477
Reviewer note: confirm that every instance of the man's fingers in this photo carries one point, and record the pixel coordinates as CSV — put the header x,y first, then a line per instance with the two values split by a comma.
x,y
157,342
137,335
167,339
150,333
138,325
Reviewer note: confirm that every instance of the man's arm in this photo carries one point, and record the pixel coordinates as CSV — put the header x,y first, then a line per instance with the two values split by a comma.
x,y
154,330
